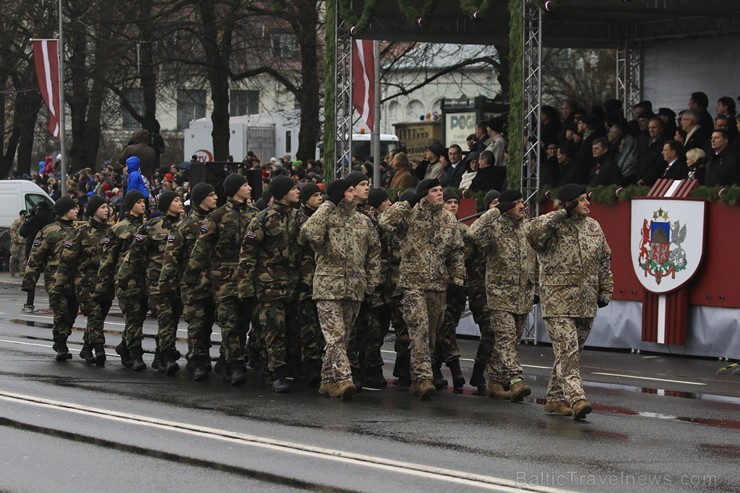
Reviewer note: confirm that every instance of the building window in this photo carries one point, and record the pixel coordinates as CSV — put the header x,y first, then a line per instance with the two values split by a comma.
x,y
244,102
283,45
191,104
135,98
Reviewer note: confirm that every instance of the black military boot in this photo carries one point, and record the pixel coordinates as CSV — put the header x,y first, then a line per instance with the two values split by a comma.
x,y
440,382
201,368
137,358
169,362
312,369
357,379
60,346
374,378
238,374
402,370
458,380
123,352
99,358
157,363
86,353
477,379
280,384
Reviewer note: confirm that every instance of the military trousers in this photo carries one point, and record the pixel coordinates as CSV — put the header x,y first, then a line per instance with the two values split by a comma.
x,y
96,311
568,335
446,348
367,336
401,346
277,319
200,316
134,310
64,305
478,304
17,263
233,315
311,338
168,309
423,312
336,319
508,329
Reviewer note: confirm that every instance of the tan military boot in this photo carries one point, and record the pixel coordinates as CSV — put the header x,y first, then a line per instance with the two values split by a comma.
x,y
581,409
495,390
558,407
426,389
346,390
519,390
329,389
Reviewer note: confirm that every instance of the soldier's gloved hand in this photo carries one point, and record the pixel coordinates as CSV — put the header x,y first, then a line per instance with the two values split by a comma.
x,y
571,207
503,207
602,304
415,198
536,300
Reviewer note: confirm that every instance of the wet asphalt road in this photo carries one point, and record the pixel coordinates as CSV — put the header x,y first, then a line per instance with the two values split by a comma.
x,y
659,424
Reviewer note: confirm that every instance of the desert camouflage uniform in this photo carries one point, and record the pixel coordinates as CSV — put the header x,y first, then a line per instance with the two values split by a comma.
x,y
432,257
510,282
347,268
139,276
311,338
116,244
269,270
78,270
575,275
17,262
46,253
217,251
199,306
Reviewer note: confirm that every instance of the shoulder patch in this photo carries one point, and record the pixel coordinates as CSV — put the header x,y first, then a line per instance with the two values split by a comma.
x,y
170,238
106,240
36,242
251,235
139,237
68,244
204,228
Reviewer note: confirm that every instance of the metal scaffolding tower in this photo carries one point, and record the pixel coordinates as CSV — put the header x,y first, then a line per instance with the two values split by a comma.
x,y
629,81
343,98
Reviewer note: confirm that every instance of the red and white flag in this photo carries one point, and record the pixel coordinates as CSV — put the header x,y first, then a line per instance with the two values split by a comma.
x,y
46,60
363,80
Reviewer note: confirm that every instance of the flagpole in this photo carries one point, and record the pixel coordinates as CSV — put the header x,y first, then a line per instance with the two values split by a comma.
x,y
376,121
63,150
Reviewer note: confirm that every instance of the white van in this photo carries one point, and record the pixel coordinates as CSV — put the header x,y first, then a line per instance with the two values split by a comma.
x,y
16,195
362,145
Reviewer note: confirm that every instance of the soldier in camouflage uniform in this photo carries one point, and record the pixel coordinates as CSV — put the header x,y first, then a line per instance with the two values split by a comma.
x,y
46,253
78,270
347,268
199,305
217,251
17,246
116,244
575,279
432,258
269,271
311,339
475,265
510,280
139,277
446,350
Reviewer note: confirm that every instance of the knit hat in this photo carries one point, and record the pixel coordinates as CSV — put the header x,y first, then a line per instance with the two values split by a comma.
x,y
95,202
308,190
356,177
131,198
63,205
425,185
199,193
450,193
496,124
281,185
165,199
437,149
336,190
376,197
233,183
406,194
570,192
490,196
510,195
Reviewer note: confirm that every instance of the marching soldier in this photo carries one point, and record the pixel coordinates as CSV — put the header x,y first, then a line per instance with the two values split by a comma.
x,y
217,251
199,305
17,245
78,271
575,280
510,280
116,244
432,258
347,268
269,271
46,253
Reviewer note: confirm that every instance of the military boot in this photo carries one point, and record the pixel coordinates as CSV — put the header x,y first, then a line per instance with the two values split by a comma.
x,y
440,382
458,380
86,353
137,358
157,363
201,368
519,389
346,390
329,389
558,407
426,389
123,352
169,362
402,370
477,379
99,358
495,390
581,408
374,378
312,369
60,346
357,379
238,374
221,368
280,384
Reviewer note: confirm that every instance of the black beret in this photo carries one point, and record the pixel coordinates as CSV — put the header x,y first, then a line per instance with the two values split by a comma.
x,y
510,195
131,198
165,199
233,183
200,192
450,193
570,192
376,197
425,185
280,185
490,196
308,190
95,202
63,205
356,177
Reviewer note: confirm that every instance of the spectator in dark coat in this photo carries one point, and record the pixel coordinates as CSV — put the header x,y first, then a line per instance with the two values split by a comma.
x,y
605,170
673,155
489,176
722,168
140,148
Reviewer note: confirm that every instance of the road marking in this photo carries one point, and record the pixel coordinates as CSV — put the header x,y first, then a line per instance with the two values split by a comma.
x,y
401,467
469,360
647,378
43,345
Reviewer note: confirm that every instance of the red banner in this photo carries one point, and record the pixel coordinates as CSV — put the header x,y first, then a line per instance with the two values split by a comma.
x,y
46,60
363,80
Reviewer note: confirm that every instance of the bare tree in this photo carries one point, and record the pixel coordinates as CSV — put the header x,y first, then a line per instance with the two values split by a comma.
x,y
586,75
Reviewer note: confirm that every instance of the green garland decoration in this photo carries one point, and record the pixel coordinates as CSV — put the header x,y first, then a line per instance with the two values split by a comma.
x,y
516,93
470,7
346,12
411,14
330,126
